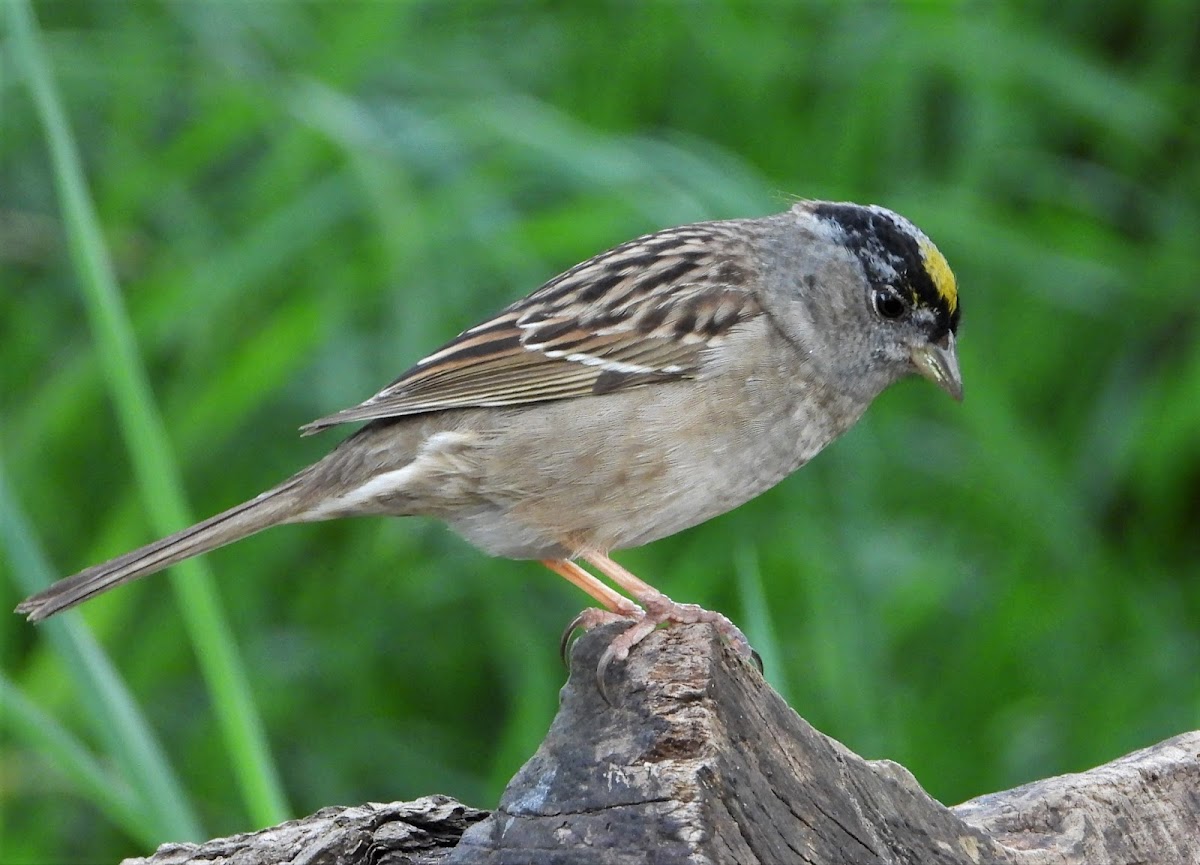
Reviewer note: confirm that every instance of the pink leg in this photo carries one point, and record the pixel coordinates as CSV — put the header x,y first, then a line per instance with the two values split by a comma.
x,y
612,601
617,607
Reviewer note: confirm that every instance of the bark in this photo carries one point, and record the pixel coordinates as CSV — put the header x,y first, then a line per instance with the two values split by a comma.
x,y
697,760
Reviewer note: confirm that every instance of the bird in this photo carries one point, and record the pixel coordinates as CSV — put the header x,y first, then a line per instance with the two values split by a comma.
x,y
646,390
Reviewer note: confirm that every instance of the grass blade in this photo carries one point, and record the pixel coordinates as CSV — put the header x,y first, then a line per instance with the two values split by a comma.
x,y
145,437
165,811
24,719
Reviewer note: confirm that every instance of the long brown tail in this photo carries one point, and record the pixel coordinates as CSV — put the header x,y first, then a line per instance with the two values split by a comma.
x,y
274,507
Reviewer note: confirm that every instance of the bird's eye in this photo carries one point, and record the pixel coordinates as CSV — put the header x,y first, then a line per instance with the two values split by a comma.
x,y
889,303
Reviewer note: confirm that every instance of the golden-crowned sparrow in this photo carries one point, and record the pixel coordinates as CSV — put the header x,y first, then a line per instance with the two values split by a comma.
x,y
646,390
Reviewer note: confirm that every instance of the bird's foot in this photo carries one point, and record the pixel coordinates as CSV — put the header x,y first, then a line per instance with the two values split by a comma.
x,y
661,610
587,619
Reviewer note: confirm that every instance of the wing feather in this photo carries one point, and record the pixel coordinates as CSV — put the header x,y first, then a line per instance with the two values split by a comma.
x,y
644,312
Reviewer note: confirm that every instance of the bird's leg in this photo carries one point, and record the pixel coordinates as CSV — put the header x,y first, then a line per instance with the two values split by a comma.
x,y
659,610
617,607
611,600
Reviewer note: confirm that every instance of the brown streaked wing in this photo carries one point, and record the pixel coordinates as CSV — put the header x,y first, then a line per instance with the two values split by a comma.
x,y
640,313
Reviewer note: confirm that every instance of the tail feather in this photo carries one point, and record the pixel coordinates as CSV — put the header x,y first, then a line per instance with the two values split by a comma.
x,y
274,507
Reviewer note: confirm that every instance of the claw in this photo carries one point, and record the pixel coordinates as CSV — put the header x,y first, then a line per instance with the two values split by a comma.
x,y
569,635
585,621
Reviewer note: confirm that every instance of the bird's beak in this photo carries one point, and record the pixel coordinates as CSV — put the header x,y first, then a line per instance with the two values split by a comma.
x,y
938,362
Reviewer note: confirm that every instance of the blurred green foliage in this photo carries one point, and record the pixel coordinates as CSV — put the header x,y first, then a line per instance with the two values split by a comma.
x,y
302,199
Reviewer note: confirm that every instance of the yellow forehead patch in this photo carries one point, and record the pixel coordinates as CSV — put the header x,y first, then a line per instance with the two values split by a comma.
x,y
939,271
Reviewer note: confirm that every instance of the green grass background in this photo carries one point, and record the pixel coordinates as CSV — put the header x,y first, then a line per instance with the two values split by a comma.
x,y
293,202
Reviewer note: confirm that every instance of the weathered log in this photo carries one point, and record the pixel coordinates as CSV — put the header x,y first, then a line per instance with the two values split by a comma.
x,y
697,760
423,832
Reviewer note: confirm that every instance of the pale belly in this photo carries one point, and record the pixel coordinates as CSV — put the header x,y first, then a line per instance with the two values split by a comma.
x,y
611,472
